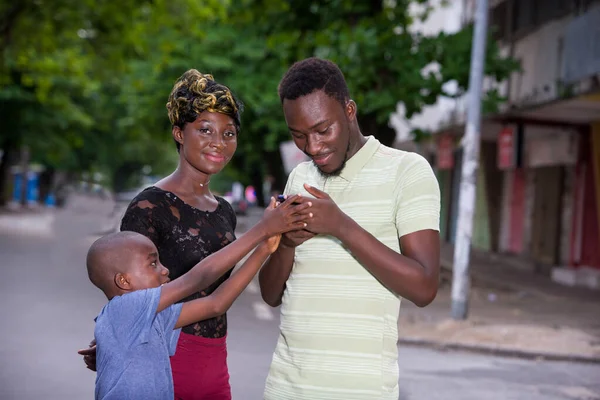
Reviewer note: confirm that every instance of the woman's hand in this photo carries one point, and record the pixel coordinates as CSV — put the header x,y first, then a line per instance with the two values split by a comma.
x,y
89,356
286,216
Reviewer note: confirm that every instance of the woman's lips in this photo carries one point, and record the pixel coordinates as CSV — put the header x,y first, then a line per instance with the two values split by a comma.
x,y
216,158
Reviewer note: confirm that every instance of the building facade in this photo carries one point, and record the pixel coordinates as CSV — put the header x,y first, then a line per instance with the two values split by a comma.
x,y
538,189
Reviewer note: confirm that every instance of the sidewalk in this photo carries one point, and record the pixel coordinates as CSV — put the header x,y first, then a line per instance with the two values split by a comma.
x,y
511,312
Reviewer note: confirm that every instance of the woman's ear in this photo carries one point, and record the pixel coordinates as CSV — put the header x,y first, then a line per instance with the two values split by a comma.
x,y
177,134
122,281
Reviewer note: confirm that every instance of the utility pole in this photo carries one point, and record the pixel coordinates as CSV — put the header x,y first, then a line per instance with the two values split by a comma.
x,y
466,207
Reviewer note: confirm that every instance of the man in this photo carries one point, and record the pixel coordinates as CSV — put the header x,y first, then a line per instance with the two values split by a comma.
x,y
373,238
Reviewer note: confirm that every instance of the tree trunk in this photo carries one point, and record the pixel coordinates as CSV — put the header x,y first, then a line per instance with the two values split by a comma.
x,y
9,156
256,179
46,183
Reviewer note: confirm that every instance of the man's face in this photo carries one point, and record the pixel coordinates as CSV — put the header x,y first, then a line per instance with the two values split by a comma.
x,y
145,270
319,126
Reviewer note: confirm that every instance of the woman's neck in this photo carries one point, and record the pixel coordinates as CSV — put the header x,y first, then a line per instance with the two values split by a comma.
x,y
190,180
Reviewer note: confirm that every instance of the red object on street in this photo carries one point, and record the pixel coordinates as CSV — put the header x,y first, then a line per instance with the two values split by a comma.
x,y
506,149
445,153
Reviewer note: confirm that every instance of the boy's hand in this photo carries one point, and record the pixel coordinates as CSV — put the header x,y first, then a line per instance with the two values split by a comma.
x,y
286,216
271,244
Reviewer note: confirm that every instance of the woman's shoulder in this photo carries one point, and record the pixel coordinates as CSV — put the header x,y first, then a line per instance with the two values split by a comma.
x,y
224,204
227,210
153,195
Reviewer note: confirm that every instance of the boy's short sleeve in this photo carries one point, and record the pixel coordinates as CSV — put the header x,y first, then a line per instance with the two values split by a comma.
x,y
132,315
417,196
167,319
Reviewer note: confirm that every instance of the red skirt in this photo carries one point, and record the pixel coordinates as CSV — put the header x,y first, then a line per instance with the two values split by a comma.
x,y
200,368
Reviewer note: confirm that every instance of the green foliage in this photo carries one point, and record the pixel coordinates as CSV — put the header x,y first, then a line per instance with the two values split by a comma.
x,y
84,83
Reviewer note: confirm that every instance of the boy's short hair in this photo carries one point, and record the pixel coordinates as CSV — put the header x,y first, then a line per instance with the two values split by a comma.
x,y
311,74
105,258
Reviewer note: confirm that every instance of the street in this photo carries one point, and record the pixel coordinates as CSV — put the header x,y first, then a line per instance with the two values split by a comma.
x,y
49,305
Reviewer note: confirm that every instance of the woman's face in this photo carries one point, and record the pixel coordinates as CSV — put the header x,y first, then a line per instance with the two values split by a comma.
x,y
209,142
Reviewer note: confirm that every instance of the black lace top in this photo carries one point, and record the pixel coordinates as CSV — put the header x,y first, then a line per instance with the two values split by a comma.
x,y
183,235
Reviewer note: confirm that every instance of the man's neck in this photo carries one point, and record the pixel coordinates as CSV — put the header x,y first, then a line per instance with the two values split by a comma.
x,y
357,141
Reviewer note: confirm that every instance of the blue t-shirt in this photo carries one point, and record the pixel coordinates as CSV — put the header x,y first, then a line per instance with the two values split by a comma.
x,y
133,347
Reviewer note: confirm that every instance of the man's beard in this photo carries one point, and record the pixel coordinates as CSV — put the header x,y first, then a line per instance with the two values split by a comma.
x,y
337,171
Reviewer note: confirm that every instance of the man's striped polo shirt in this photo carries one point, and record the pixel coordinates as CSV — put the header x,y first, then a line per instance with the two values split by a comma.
x,y
339,325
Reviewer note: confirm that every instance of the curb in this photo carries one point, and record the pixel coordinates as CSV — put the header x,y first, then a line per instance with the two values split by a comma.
x,y
499,351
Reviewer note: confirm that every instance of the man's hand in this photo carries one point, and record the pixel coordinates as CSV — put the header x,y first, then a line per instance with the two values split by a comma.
x,y
327,216
89,356
296,238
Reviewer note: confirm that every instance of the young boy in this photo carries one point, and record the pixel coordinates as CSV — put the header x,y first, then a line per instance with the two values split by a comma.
x,y
137,330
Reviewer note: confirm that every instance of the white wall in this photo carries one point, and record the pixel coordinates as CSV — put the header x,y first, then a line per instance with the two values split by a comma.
x,y
541,62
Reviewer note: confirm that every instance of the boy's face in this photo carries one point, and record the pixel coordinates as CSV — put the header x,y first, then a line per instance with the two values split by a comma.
x,y
145,270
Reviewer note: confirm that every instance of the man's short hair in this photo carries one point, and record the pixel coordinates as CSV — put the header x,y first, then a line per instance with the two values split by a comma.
x,y
312,74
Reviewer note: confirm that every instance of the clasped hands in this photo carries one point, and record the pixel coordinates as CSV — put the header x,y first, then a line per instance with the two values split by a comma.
x,y
327,218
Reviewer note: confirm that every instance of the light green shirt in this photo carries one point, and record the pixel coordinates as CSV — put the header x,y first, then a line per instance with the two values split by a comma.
x,y
339,325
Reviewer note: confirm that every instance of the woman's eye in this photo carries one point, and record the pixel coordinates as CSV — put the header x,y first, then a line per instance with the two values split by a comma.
x,y
230,134
204,131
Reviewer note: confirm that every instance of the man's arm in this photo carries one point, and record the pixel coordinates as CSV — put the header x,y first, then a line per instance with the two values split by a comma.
x,y
275,273
273,276
219,302
414,274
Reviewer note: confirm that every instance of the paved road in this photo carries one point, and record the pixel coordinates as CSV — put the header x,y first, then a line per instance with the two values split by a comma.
x,y
48,307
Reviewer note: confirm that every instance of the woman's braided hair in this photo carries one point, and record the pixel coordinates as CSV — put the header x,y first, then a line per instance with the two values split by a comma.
x,y
194,93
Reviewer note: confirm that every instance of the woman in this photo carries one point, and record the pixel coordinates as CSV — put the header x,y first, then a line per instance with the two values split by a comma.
x,y
187,222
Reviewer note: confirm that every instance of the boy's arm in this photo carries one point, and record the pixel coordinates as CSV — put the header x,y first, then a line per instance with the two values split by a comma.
x,y
211,268
285,217
219,302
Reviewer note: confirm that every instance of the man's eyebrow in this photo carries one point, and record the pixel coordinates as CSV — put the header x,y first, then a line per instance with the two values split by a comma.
x,y
312,127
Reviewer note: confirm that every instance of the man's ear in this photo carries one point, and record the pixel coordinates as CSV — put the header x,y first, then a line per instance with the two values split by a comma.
x,y
351,109
177,134
122,281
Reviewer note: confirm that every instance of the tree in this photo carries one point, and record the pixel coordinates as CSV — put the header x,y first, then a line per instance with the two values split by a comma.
x,y
383,60
59,60
85,83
